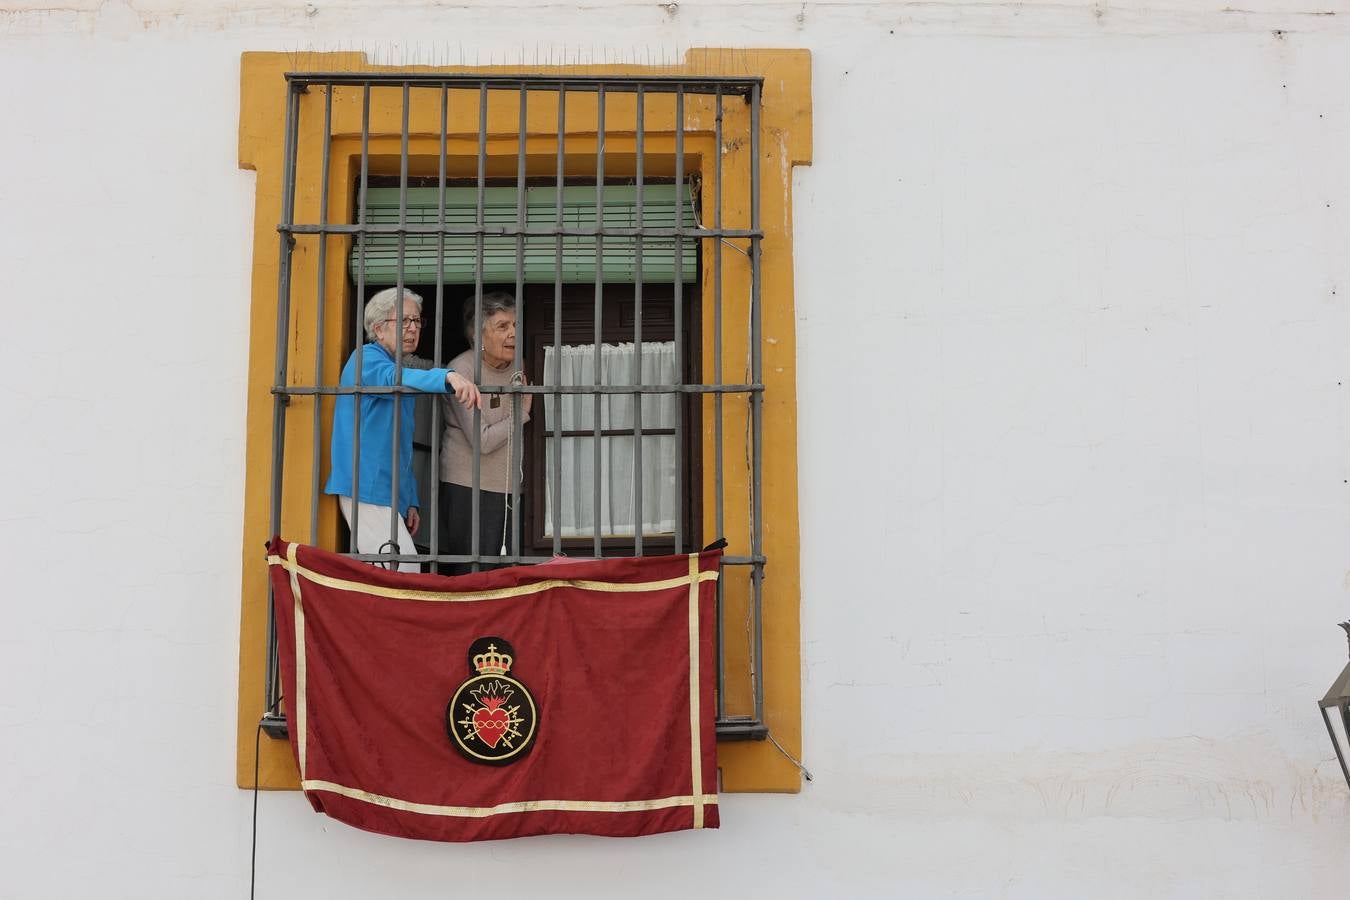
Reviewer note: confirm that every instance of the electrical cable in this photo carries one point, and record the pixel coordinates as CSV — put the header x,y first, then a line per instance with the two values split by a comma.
x,y
806,773
257,755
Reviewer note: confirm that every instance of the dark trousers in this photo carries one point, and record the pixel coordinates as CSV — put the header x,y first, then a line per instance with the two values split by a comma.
x,y
494,520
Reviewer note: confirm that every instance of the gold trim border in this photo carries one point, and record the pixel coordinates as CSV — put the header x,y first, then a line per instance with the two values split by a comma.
x,y
695,733
524,806
301,675
524,590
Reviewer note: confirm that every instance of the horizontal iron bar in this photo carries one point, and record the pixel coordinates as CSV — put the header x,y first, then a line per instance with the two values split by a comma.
x,y
297,391
744,560
738,729
689,84
444,558
431,228
512,560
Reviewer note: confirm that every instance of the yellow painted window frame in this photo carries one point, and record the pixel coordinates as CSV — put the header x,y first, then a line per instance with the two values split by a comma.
x,y
785,142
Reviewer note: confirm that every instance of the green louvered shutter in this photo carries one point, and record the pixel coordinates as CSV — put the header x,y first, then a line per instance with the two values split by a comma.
x,y
499,253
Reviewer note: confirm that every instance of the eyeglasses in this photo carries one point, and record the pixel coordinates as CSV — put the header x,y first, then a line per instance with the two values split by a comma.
x,y
409,323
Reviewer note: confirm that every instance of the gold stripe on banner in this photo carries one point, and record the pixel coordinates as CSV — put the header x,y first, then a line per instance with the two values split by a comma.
x,y
524,806
301,709
695,737
608,587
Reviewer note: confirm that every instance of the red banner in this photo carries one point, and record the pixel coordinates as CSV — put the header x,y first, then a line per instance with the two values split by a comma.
x,y
569,697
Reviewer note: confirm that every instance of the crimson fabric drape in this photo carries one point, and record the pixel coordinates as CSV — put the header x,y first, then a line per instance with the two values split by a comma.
x,y
609,695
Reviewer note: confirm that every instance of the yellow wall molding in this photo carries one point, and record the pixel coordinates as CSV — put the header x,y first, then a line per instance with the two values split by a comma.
x,y
785,142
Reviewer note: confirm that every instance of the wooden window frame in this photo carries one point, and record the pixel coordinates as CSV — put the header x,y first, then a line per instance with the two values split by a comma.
x,y
578,328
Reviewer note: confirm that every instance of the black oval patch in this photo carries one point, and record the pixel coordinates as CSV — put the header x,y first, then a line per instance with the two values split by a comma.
x,y
492,717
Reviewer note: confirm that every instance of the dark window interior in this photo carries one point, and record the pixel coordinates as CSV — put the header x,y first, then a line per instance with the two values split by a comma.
x,y
578,316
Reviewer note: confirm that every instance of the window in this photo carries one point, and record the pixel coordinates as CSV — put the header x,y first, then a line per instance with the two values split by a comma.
x,y
603,499
669,425
667,421
312,137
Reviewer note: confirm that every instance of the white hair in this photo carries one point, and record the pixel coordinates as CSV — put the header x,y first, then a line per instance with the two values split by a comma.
x,y
381,307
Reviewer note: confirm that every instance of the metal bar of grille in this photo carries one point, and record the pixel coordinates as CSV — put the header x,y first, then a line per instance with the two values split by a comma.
x,y
639,520
504,230
395,445
464,558
517,366
517,427
692,84
683,408
756,412
321,301
436,360
285,246
358,331
305,390
475,505
596,454
556,482
719,474
279,375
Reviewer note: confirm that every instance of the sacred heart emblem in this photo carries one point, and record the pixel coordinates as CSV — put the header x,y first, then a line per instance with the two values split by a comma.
x,y
490,724
492,718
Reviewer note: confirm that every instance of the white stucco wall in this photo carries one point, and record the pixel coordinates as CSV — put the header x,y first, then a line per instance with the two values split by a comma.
x,y
1071,303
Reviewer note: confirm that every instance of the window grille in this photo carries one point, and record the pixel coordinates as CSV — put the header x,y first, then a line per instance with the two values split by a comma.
x,y
548,237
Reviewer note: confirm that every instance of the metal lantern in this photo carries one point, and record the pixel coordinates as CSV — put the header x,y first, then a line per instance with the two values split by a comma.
x,y
1338,698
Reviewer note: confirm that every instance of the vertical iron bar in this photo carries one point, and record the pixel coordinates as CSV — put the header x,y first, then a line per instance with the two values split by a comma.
x,y
271,684
556,486
756,408
517,426
321,300
436,337
719,485
286,247
682,406
596,454
357,397
638,377
474,528
395,511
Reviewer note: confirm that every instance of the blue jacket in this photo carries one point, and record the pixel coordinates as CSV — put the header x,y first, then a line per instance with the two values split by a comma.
x,y
377,429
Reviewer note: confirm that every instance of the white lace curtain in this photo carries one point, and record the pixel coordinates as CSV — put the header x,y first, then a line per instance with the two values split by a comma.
x,y
659,453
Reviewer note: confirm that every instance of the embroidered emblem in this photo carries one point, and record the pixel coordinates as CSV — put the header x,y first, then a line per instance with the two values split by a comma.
x,y
492,717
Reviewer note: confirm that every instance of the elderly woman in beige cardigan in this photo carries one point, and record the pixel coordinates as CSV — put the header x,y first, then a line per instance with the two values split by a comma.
x,y
496,345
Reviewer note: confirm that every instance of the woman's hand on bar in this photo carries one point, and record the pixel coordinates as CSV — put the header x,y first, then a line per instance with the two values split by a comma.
x,y
465,391
526,400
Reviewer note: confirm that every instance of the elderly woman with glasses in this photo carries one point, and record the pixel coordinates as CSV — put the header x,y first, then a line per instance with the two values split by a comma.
x,y
375,518
496,345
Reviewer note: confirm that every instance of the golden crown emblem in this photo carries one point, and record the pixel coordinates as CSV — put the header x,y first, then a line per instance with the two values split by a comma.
x,y
492,662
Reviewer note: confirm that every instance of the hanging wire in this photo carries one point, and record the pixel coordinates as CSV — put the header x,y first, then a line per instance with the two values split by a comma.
x,y
806,773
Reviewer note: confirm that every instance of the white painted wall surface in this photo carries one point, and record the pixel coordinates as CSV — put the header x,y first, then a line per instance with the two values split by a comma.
x,y
1072,286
